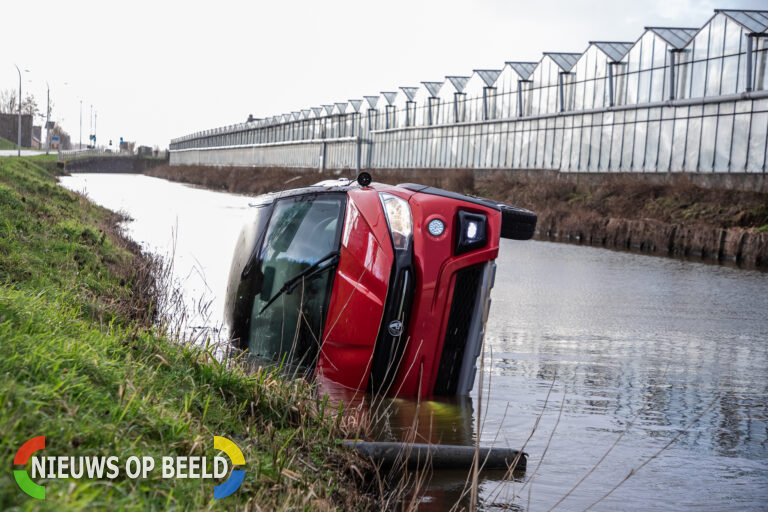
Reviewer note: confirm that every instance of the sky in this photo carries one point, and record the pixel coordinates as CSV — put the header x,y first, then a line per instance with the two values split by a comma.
x,y
152,71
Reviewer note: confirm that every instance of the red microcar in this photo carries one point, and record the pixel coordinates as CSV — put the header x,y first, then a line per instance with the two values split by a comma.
x,y
374,287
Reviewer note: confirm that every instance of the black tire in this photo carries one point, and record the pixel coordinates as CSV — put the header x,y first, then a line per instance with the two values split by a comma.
x,y
517,223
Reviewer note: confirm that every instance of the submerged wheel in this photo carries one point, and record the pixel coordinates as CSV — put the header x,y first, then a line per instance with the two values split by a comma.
x,y
517,223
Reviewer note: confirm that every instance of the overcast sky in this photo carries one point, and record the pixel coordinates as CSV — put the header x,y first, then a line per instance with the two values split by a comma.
x,y
158,70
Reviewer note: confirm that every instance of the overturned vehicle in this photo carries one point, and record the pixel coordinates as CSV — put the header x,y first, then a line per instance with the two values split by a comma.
x,y
374,287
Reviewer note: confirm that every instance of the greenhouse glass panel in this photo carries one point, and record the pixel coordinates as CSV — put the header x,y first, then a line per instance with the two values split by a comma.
x,y
578,96
517,140
652,145
666,139
693,138
723,143
532,143
631,94
707,150
761,63
594,146
565,150
589,94
739,143
656,93
628,142
575,146
679,135
549,144
551,100
698,79
599,100
620,84
730,75
605,142
716,36
586,136
522,148
617,141
646,55
714,77
640,138
701,45
757,142
734,36
633,57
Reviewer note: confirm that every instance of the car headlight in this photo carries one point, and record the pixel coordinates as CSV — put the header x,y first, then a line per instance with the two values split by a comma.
x,y
472,232
399,220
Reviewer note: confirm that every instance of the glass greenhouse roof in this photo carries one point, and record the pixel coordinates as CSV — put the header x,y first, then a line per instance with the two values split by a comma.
x,y
389,96
564,60
433,87
524,69
489,76
615,50
410,92
356,104
459,82
678,37
756,21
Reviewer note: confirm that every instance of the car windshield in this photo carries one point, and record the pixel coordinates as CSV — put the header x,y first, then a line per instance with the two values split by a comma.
x,y
303,231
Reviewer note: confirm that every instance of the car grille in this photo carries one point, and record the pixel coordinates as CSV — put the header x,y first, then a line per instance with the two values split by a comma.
x,y
465,298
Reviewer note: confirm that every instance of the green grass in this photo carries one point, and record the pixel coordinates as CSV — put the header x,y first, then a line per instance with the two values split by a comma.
x,y
82,365
6,144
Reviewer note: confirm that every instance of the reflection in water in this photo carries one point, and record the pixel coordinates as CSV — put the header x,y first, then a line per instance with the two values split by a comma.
x,y
628,339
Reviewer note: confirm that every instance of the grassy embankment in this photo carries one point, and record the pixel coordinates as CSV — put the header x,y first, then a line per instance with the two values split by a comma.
x,y
6,144
619,211
82,364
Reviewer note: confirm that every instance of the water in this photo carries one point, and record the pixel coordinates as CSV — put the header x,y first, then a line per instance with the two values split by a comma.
x,y
635,348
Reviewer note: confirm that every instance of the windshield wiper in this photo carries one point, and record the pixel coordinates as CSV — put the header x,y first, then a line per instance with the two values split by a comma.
x,y
310,272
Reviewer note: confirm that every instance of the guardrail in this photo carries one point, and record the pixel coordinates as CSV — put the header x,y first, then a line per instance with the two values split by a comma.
x,y
77,154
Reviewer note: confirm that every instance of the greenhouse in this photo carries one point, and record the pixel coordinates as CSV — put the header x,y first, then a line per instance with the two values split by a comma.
x,y
676,99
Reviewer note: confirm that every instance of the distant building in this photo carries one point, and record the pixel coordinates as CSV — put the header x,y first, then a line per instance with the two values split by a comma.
x,y
9,126
37,137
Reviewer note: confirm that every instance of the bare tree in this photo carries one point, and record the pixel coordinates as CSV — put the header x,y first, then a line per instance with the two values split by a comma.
x,y
29,106
9,101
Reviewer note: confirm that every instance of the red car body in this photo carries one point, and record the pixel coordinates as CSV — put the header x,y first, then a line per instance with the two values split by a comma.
x,y
407,322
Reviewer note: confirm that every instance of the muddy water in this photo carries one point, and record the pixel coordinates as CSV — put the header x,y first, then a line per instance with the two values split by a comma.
x,y
667,359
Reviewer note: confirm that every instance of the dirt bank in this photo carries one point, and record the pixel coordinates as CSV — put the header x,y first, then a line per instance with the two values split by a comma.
x,y
670,217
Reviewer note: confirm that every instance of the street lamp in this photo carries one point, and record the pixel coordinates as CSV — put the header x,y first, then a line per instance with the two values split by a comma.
x,y
48,119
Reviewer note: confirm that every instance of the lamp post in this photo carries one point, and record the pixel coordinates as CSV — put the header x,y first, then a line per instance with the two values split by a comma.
x,y
80,140
18,140
48,119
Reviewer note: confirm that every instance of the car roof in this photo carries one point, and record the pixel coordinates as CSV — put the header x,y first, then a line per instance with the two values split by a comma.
x,y
342,185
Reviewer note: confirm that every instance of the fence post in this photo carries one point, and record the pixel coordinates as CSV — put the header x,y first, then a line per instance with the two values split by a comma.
x,y
322,157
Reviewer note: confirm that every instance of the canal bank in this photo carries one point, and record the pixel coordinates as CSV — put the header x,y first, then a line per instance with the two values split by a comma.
x,y
703,217
85,365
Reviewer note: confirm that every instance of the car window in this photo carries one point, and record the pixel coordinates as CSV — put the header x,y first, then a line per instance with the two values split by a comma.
x,y
301,231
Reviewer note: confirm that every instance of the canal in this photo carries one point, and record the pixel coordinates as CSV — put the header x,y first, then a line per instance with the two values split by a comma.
x,y
622,363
